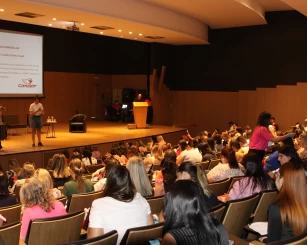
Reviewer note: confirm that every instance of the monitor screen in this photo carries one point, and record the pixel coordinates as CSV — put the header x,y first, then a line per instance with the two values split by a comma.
x,y
124,106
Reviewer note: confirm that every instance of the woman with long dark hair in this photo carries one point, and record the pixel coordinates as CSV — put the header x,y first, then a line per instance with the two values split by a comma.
x,y
255,180
229,167
288,216
187,221
120,207
262,136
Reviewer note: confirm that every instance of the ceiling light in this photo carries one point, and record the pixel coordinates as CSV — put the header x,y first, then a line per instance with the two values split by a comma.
x,y
101,32
49,24
140,34
54,19
82,24
130,32
119,30
1,10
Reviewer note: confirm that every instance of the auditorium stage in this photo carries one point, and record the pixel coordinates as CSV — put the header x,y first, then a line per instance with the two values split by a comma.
x,y
101,135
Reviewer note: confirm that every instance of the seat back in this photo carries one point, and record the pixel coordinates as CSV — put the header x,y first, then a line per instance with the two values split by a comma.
x,y
62,199
265,200
219,187
218,211
237,214
214,163
141,235
156,204
17,192
78,118
296,240
109,238
10,233
156,167
79,202
204,165
56,230
234,180
92,168
11,213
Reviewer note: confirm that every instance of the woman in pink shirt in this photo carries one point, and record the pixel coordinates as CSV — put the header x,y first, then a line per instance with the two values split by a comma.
x,y
261,135
255,180
38,203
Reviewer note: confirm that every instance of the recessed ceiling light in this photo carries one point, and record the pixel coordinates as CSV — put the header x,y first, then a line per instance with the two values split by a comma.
x,y
140,34
49,24
1,10
101,32
119,30
82,24
130,32
54,19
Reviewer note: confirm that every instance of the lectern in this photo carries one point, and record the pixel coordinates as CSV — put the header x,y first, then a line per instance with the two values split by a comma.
x,y
140,114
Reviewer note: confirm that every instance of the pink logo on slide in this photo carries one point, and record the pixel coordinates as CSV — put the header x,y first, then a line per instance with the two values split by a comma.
x,y
27,83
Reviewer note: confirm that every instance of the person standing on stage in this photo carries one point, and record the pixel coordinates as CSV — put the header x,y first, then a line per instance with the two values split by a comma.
x,y
36,111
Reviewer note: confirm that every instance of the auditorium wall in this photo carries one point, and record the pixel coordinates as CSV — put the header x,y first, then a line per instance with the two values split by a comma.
x,y
215,109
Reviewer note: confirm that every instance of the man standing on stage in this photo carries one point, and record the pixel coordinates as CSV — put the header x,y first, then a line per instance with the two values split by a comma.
x,y
36,111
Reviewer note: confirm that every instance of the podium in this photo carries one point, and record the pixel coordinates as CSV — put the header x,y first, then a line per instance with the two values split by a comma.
x,y
140,114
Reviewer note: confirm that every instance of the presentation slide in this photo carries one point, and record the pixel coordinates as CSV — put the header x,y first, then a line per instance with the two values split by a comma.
x,y
21,64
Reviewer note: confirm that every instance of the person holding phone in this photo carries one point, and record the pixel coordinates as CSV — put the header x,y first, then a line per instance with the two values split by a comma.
x,y
36,111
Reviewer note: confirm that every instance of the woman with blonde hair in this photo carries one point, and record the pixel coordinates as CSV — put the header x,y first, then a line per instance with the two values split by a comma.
x,y
156,157
44,176
78,184
59,170
139,176
288,216
38,203
302,151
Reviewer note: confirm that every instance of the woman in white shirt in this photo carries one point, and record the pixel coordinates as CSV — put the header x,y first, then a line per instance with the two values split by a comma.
x,y
190,154
229,167
120,208
87,157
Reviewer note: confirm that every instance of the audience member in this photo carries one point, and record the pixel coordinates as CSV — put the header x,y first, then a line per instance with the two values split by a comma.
x,y
28,172
155,159
287,217
206,152
5,198
102,174
187,220
189,171
139,176
229,167
120,208
44,176
77,184
38,203
166,177
87,157
59,170
190,154
255,180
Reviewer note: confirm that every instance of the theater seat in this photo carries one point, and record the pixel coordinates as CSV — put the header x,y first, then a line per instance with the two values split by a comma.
x,y
77,123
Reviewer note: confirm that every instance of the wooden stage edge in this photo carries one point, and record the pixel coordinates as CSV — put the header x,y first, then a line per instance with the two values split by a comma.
x,y
100,135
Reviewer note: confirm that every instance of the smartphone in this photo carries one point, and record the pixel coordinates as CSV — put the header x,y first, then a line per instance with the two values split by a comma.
x,y
154,242
187,131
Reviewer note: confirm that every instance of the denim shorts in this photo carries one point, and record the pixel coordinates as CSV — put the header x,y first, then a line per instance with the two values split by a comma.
x,y
36,122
